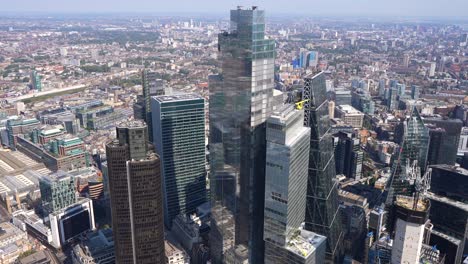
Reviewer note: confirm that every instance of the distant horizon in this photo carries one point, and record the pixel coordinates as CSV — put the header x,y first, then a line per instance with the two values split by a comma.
x,y
451,9
225,15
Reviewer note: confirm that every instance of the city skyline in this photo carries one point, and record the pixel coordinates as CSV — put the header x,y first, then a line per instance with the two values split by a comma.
x,y
253,139
415,8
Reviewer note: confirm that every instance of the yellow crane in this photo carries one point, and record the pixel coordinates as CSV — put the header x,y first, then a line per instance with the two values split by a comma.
x,y
300,105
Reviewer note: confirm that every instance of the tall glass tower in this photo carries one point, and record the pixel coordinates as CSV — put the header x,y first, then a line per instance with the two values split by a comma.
x,y
179,138
240,103
322,211
414,147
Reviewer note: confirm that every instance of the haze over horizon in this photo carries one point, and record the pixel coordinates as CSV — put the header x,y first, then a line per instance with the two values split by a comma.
x,y
398,8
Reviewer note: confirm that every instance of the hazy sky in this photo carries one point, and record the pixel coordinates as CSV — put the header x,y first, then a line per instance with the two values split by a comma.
x,y
439,8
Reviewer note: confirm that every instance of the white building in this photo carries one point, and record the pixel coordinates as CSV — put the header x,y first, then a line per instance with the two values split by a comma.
x,y
72,221
463,143
175,254
350,115
409,230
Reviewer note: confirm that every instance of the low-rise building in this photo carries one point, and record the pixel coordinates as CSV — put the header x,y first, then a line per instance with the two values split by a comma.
x,y
96,248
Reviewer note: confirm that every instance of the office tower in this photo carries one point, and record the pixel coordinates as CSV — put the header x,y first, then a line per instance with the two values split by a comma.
x,y
135,187
20,126
392,100
414,92
415,140
382,88
322,209
179,138
409,229
406,60
348,155
57,191
331,109
350,115
36,83
152,86
343,96
303,58
313,58
450,181
432,69
463,142
444,139
401,89
377,221
414,147
450,231
287,157
240,102
368,106
70,222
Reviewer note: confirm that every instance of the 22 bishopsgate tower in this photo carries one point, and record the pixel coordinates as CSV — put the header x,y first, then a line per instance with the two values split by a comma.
x,y
240,103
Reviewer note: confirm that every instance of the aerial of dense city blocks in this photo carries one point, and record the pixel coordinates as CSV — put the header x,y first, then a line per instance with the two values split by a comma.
x,y
242,137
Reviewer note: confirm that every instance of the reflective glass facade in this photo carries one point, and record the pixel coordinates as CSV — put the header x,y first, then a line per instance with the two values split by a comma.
x,y
240,102
322,212
179,138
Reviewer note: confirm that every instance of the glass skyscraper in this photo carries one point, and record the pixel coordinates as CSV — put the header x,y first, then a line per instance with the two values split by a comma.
x,y
179,138
322,211
240,102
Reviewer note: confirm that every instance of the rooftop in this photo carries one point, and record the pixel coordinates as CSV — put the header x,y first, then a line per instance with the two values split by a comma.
x,y
451,168
57,176
408,202
304,242
446,200
50,131
131,124
177,97
348,109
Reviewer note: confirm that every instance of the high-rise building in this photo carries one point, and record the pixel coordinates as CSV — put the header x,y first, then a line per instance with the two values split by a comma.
x,y
350,115
322,209
240,102
57,191
444,139
179,138
450,232
416,140
392,100
406,60
152,86
343,97
432,69
36,81
285,182
449,181
348,155
411,218
414,92
382,88
135,187
414,147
